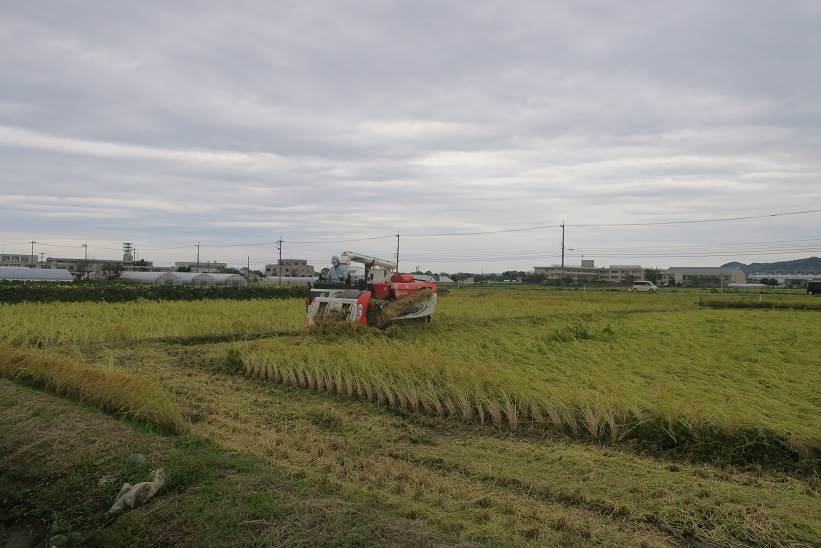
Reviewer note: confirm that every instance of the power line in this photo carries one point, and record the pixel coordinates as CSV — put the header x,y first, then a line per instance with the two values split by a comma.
x,y
609,255
602,225
717,220
340,241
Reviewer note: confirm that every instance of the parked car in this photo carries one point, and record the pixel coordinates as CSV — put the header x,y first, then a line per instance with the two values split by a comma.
x,y
814,287
644,285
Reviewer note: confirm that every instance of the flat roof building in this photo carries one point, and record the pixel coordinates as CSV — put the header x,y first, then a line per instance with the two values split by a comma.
x,y
202,266
588,272
702,276
16,259
290,267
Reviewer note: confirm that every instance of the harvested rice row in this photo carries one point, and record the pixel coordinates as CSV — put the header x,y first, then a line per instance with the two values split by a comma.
x,y
474,400
470,403
110,389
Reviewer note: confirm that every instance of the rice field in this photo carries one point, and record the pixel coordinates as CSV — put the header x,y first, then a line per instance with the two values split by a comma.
x,y
518,416
608,367
60,324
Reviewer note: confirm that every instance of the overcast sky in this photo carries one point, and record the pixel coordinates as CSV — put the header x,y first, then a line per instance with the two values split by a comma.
x,y
167,123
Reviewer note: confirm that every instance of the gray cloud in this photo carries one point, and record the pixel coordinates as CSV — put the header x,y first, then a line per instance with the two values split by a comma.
x,y
166,124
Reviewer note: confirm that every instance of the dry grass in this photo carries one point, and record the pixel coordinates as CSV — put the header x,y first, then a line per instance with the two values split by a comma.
x,y
113,390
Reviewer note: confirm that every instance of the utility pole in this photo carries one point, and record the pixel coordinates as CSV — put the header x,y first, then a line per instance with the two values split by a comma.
x,y
397,251
198,256
32,246
42,258
561,280
85,260
248,268
279,261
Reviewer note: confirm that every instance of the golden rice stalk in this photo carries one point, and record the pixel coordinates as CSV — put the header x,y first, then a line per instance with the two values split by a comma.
x,y
402,307
111,389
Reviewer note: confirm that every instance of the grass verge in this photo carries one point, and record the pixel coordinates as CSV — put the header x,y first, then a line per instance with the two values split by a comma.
x,y
766,305
212,497
113,390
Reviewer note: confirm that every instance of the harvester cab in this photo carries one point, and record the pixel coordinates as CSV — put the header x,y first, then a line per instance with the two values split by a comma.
x,y
377,296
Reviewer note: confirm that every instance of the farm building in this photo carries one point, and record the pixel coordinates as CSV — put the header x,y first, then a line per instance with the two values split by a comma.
x,y
26,274
153,278
702,276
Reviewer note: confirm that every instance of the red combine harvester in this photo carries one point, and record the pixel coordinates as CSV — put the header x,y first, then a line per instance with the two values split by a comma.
x,y
379,298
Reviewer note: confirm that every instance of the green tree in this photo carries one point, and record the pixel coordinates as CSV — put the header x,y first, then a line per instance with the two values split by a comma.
x,y
111,271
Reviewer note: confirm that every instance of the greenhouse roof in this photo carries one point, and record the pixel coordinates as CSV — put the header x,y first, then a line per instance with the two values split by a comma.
x,y
24,273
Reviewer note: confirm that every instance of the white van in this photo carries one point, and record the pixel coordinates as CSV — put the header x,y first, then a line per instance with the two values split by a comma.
x,y
644,285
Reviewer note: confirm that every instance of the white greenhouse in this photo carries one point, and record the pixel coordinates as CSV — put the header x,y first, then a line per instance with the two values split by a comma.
x,y
229,279
194,278
290,280
153,278
26,274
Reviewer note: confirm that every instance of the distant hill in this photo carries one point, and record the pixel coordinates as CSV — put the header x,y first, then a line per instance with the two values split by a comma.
x,y
811,265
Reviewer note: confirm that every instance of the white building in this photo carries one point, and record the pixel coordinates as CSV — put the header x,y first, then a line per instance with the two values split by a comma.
x,y
588,272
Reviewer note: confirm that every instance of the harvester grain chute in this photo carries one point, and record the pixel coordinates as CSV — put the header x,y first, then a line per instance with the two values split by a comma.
x,y
378,298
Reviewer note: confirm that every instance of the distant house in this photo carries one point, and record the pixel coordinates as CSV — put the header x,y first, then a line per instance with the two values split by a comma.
x,y
702,276
445,280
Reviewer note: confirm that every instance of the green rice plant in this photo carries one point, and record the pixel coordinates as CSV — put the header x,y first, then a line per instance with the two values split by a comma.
x,y
113,390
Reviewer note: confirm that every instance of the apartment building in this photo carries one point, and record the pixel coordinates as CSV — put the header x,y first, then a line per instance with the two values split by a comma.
x,y
588,272
14,259
290,267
